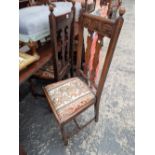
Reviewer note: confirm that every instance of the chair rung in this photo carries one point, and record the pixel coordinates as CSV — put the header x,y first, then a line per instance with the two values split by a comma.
x,y
76,124
87,123
76,130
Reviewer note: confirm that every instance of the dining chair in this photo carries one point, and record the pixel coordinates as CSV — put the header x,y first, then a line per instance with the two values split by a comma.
x,y
69,98
61,32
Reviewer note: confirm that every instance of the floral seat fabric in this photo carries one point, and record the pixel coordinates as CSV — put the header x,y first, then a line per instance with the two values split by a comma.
x,y
69,97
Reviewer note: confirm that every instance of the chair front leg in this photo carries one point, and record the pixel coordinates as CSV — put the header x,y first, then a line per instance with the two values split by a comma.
x,y
96,108
64,136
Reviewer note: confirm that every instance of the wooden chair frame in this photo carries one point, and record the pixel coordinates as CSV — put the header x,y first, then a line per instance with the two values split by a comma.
x,y
104,27
60,23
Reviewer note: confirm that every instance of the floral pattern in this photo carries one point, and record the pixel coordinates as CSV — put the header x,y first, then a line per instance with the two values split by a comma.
x,y
69,97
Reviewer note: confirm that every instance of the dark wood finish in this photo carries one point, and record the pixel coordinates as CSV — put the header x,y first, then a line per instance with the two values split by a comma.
x,y
45,55
23,3
103,28
62,30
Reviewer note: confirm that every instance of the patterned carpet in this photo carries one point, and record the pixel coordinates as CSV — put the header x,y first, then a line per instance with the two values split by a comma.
x,y
114,134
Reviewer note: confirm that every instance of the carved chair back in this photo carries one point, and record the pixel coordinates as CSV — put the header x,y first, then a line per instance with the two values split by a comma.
x,y
61,30
102,28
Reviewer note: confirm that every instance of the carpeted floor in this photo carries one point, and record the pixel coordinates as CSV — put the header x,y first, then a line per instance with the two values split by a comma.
x,y
114,134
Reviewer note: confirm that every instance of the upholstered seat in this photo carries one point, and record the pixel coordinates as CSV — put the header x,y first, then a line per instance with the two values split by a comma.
x,y
69,97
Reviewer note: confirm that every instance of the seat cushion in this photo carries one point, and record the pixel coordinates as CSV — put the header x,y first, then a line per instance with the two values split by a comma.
x,y
69,97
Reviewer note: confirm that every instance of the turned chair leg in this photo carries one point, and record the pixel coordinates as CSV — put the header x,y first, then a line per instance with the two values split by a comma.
x,y
64,137
96,107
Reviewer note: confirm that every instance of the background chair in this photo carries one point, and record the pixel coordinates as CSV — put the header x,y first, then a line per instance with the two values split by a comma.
x,y
69,98
62,31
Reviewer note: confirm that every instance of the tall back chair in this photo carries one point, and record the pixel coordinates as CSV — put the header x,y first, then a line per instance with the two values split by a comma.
x,y
69,98
61,30
103,28
62,33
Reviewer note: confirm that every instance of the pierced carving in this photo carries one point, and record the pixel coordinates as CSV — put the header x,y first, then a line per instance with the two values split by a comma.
x,y
101,26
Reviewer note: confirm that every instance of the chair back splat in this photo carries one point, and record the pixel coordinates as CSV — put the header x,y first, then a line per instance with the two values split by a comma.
x,y
101,27
62,30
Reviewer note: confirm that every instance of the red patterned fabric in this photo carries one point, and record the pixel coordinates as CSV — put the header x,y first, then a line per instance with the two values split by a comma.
x,y
103,13
69,97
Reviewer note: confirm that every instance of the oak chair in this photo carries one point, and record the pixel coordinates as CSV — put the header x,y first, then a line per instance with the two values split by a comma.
x,y
61,30
69,98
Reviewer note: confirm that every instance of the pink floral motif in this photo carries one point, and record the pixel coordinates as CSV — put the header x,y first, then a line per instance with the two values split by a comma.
x,y
69,96
103,13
